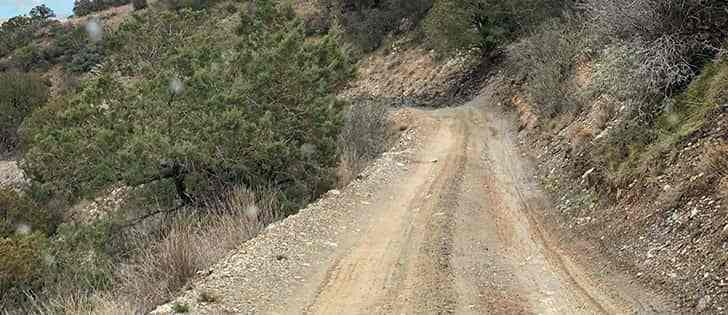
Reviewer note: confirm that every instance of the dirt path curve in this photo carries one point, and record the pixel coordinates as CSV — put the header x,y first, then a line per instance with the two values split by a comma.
x,y
456,238
452,231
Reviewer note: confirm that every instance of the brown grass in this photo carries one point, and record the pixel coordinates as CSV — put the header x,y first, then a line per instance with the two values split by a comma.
x,y
165,262
528,119
350,165
581,135
193,243
367,133
81,304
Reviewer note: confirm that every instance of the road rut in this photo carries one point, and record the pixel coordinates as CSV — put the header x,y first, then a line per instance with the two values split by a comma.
x,y
453,230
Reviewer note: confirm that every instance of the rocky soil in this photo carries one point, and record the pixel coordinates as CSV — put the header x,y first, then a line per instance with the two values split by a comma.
x,y
10,174
668,229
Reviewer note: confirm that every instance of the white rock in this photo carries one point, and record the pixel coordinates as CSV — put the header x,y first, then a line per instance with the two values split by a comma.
x,y
587,173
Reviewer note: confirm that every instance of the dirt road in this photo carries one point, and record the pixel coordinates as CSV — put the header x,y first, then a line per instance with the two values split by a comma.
x,y
452,230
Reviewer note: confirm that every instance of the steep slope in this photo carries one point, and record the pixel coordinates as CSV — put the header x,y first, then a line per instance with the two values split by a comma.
x,y
666,225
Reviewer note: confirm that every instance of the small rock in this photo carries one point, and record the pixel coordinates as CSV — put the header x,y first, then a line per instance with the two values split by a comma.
x,y
587,173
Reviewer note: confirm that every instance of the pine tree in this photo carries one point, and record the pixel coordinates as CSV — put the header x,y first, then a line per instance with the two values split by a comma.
x,y
201,117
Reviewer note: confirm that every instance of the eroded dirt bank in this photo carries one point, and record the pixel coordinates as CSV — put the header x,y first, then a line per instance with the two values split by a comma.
x,y
447,223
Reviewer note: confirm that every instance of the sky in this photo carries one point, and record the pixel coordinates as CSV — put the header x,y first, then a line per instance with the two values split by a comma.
x,y
11,8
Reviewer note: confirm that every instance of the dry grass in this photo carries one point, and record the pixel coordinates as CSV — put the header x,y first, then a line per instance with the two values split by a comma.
x,y
207,297
581,135
79,303
366,134
164,262
192,243
528,119
350,165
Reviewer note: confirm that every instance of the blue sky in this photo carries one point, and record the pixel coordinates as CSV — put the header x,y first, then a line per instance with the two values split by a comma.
x,y
10,8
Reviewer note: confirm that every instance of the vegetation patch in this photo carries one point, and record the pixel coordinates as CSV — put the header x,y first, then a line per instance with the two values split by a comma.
x,y
20,94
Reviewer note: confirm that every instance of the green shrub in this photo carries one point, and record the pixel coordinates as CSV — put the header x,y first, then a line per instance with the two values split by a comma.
x,y
637,149
72,47
18,210
85,59
180,308
41,12
187,4
19,31
484,24
687,112
366,23
20,94
139,4
22,267
201,115
152,40
80,257
35,269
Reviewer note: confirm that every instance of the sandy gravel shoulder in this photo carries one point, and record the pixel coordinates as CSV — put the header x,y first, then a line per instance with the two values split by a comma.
x,y
268,269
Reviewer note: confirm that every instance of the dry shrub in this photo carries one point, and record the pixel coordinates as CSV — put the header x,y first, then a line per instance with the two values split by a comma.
x,y
20,94
139,4
349,166
694,20
640,74
547,60
367,23
190,244
653,45
366,134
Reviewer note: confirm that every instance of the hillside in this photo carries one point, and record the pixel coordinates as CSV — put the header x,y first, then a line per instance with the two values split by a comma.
x,y
336,156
